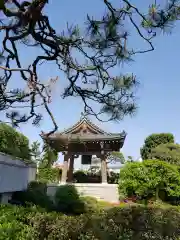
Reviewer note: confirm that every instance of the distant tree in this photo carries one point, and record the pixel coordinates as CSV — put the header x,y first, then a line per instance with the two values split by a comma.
x,y
14,143
116,157
48,174
36,152
153,141
130,159
149,179
46,171
168,152
50,156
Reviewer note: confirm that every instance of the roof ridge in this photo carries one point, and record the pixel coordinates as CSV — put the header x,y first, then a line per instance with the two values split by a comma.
x,y
81,120
95,126
84,118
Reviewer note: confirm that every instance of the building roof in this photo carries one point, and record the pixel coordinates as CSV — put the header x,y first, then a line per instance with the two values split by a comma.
x,y
85,130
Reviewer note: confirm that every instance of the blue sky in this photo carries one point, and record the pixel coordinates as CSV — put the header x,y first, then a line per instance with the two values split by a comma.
x,y
158,73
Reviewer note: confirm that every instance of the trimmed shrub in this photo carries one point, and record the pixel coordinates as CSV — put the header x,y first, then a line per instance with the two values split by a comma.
x,y
113,178
138,223
122,223
80,177
150,179
14,143
14,223
37,186
67,200
35,195
89,177
53,226
90,204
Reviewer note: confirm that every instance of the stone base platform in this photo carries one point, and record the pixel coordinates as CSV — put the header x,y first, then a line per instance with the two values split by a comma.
x,y
101,191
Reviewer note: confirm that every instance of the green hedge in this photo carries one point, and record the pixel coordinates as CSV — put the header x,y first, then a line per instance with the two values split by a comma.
x,y
49,174
13,142
36,194
150,179
67,200
88,177
127,223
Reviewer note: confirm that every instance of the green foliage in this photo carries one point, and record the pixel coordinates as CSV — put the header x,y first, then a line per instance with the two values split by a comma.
x,y
94,177
117,157
137,223
80,176
122,223
68,200
35,152
13,142
48,174
14,222
90,204
35,195
151,178
169,152
37,186
101,47
50,156
153,141
113,177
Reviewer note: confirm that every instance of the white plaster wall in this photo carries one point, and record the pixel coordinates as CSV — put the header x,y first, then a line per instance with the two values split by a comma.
x,y
14,174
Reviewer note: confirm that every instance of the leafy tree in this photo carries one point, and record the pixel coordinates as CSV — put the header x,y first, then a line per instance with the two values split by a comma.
x,y
130,159
153,141
36,152
50,155
151,178
101,48
46,172
117,157
168,152
14,143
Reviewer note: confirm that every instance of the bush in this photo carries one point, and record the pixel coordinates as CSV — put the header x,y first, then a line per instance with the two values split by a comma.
x,y
89,177
80,177
150,179
122,223
138,223
37,186
14,223
48,174
113,178
13,142
67,200
36,195
92,205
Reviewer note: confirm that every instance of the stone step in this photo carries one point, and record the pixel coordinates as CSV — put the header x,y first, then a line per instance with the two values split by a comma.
x,y
106,192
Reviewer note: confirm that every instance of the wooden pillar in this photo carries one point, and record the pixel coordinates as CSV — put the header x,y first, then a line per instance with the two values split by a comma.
x,y
71,168
65,169
103,169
